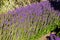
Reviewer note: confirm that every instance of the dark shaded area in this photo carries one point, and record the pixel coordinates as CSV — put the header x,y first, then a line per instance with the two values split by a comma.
x,y
57,29
38,0
1,3
48,38
55,4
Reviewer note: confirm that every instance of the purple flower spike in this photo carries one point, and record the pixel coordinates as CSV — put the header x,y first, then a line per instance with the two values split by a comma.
x,y
58,38
31,16
27,7
19,10
24,15
46,4
34,6
59,14
39,12
22,20
10,12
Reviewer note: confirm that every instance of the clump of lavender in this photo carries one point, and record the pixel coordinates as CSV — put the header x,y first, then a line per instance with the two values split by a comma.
x,y
22,23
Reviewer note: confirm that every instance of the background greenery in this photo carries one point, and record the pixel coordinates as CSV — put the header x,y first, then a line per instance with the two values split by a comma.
x,y
6,5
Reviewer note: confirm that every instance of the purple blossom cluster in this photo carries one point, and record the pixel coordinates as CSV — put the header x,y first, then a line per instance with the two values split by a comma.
x,y
54,37
30,17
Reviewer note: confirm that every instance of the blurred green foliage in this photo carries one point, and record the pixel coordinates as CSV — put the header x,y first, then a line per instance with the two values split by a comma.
x,y
6,5
1,3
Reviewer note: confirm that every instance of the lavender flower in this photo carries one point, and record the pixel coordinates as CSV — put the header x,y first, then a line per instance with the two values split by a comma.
x,y
30,17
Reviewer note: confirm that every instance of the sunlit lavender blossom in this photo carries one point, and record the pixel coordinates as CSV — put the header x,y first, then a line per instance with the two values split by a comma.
x,y
30,19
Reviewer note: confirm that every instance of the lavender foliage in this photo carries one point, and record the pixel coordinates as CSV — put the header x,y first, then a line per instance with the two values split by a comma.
x,y
30,19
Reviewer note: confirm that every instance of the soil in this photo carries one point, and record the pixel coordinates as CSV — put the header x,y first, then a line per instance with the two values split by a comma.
x,y
44,37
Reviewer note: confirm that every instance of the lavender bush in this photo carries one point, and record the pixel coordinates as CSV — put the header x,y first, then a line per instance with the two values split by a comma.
x,y
22,23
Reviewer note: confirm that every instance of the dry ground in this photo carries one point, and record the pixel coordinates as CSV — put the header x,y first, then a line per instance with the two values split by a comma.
x,y
44,37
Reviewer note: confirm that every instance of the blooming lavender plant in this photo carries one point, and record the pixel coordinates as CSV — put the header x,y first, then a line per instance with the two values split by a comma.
x,y
27,21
